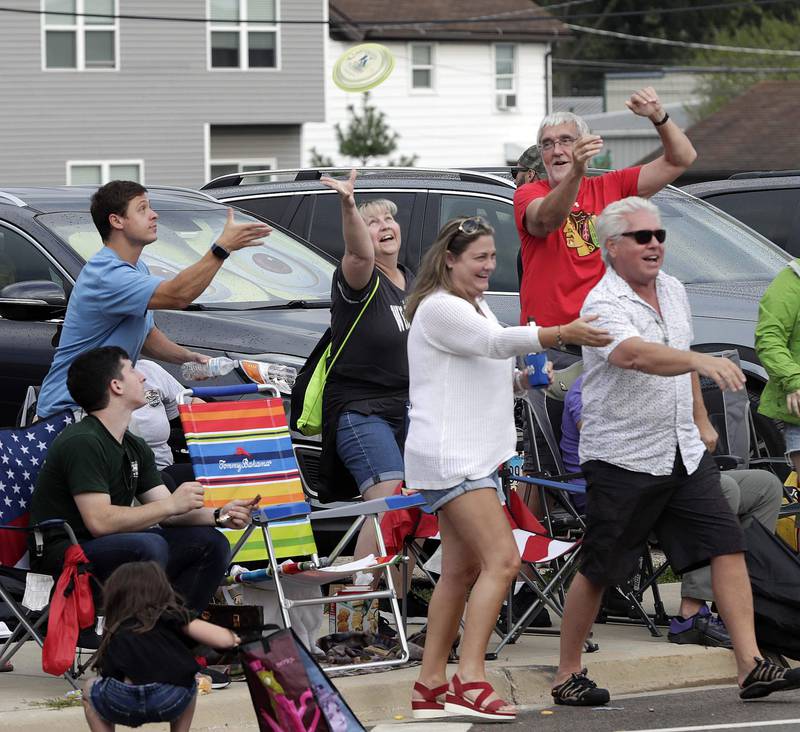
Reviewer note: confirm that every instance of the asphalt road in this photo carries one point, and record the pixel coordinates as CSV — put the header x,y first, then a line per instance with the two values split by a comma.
x,y
683,711
687,710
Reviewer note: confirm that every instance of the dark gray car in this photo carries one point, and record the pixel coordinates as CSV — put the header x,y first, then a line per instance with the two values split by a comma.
x,y
269,303
724,265
767,201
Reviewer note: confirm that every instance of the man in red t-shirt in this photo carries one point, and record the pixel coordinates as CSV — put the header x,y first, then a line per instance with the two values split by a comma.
x,y
555,217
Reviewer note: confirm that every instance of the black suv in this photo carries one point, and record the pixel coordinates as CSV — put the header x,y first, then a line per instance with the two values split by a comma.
x,y
269,303
724,265
767,201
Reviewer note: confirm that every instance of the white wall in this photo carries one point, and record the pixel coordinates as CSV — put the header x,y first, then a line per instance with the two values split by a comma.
x,y
456,124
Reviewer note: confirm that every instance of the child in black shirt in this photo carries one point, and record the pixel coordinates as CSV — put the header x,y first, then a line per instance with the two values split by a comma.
x,y
146,668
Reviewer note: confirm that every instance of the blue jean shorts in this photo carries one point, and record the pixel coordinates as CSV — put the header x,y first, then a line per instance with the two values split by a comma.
x,y
791,434
371,447
136,704
435,499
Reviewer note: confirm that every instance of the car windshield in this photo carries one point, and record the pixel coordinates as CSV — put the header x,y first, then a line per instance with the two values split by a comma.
x,y
282,269
705,245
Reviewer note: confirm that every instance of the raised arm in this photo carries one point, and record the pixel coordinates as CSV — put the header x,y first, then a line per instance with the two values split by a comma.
x,y
548,213
358,261
679,153
180,291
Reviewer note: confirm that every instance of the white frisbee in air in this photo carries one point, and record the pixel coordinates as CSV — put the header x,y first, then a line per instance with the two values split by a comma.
x,y
363,67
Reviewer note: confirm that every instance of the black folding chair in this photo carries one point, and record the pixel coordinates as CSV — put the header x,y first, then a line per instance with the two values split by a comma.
x,y
541,412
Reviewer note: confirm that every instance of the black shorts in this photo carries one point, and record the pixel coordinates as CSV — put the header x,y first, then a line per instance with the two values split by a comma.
x,y
688,513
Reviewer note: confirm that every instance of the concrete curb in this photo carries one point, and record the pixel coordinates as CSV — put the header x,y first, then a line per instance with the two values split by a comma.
x,y
622,667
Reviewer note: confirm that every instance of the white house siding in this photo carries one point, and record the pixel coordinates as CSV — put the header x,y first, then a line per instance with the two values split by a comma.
x,y
158,106
456,124
257,142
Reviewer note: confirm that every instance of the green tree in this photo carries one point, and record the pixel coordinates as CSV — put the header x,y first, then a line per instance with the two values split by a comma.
x,y
718,89
368,135
676,20
318,160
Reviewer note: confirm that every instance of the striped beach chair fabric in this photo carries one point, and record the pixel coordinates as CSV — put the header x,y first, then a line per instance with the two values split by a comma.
x,y
240,449
243,448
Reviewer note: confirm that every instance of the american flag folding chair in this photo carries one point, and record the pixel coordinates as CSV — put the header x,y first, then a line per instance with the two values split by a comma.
x,y
538,552
22,453
243,448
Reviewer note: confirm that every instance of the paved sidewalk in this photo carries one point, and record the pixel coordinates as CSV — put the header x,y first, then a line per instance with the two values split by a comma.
x,y
629,660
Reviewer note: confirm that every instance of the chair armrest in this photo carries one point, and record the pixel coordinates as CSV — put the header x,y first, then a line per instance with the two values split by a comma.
x,y
265,514
728,462
44,525
375,506
547,483
789,509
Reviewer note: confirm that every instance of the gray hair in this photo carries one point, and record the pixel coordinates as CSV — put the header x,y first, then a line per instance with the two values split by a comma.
x,y
613,220
379,205
563,118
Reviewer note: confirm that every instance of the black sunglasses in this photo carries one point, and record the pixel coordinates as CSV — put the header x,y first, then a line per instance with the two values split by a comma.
x,y
643,236
516,171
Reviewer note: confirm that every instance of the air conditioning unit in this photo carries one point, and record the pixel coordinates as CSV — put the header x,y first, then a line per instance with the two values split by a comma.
x,y
506,101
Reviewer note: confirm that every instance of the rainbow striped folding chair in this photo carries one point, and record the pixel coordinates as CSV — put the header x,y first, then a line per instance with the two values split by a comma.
x,y
243,448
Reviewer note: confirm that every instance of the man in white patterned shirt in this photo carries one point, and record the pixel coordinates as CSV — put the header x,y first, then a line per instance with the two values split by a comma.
x,y
647,469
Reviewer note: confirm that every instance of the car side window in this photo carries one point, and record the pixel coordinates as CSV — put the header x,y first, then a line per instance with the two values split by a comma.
x,y
500,214
21,261
772,213
271,208
326,224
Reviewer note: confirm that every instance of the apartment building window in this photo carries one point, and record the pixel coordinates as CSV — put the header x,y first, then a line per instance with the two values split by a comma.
x,y
422,66
224,167
98,172
80,34
505,76
243,34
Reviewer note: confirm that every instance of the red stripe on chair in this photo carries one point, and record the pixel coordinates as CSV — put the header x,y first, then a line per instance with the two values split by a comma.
x,y
534,548
13,544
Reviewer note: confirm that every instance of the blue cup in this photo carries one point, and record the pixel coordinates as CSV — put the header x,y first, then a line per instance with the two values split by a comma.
x,y
537,376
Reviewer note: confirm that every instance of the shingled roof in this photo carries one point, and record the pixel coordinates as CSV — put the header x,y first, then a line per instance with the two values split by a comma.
x,y
751,132
500,20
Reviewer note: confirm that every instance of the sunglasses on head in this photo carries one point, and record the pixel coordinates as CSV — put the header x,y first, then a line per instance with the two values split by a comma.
x,y
473,225
643,236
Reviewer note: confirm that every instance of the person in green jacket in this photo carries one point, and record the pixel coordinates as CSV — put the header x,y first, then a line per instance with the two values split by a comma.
x,y
778,348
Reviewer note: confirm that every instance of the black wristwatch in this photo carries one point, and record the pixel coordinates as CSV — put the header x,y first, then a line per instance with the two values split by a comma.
x,y
217,511
219,251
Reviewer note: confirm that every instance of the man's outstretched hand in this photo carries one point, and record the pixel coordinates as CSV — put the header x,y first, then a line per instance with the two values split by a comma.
x,y
240,234
646,103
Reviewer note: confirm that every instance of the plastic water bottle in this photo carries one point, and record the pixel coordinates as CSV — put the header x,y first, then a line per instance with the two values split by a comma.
x,y
192,370
277,374
537,376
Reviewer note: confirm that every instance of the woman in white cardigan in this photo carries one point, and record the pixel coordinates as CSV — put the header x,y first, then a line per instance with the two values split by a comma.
x,y
461,382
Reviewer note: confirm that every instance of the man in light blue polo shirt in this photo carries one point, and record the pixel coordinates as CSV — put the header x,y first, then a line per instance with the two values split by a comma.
x,y
115,293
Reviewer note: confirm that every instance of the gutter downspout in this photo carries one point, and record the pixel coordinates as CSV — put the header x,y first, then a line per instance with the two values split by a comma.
x,y
548,79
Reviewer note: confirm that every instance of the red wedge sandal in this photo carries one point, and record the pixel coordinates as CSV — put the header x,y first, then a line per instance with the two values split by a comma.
x,y
429,707
456,703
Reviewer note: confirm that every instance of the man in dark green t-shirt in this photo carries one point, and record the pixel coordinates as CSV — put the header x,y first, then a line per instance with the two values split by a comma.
x,y
96,468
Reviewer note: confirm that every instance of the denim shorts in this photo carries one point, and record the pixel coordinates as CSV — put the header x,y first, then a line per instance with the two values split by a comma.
x,y
791,433
136,704
371,447
435,499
